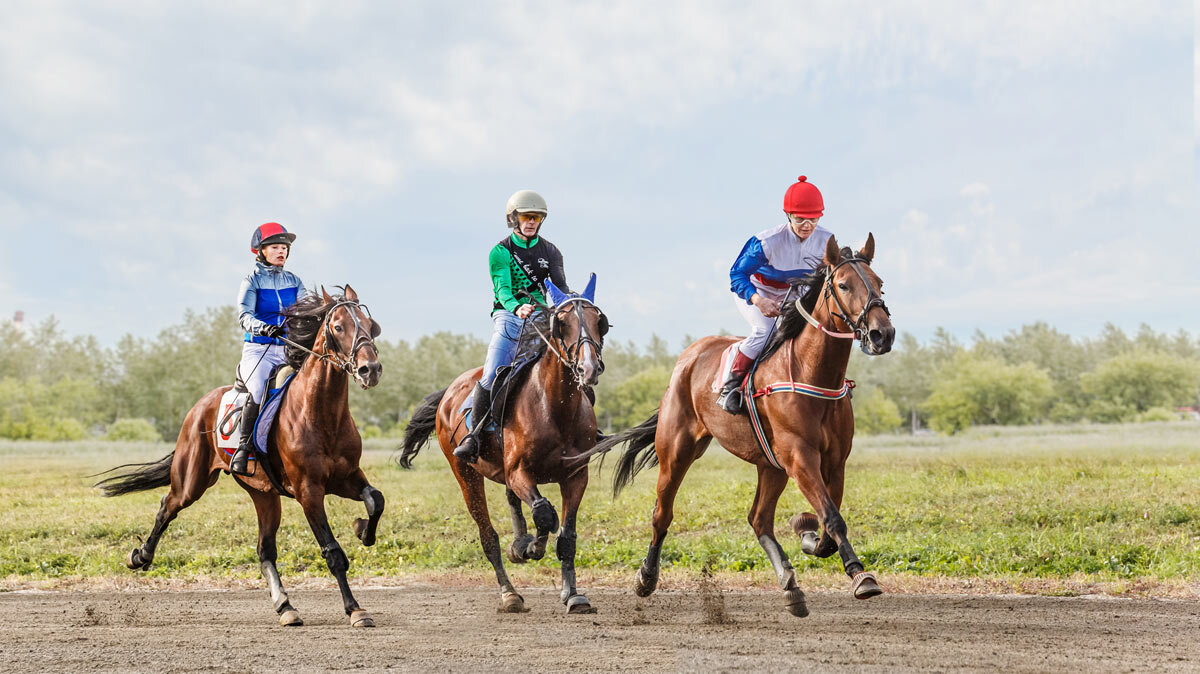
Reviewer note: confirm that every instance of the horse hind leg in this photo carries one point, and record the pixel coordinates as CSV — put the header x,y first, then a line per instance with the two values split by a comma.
x,y
267,507
471,484
771,483
186,489
675,457
521,538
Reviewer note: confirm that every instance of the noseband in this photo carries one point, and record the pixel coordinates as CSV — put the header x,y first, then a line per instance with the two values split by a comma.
x,y
571,359
335,357
858,325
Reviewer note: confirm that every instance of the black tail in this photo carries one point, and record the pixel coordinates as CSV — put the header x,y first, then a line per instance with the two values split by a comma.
x,y
143,476
422,423
638,454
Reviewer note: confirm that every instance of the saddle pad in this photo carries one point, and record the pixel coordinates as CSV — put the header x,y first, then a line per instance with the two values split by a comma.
x,y
726,364
229,420
268,413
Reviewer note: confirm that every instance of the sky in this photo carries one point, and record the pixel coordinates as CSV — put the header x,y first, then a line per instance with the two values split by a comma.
x,y
1016,161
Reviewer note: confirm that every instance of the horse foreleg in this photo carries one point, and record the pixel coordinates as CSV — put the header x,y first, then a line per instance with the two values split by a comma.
x,y
521,537
813,487
545,517
358,489
267,507
312,500
572,495
771,483
471,483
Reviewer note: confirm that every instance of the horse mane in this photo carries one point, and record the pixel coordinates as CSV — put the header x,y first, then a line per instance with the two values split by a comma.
x,y
530,344
304,320
791,323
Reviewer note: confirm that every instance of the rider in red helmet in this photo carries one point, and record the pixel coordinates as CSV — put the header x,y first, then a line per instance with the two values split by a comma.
x,y
770,263
264,294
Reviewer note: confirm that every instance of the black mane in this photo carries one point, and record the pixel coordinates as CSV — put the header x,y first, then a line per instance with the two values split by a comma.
x,y
304,320
791,323
530,343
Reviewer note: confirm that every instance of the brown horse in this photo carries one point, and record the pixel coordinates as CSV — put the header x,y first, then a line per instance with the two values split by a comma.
x,y
316,447
546,434
811,435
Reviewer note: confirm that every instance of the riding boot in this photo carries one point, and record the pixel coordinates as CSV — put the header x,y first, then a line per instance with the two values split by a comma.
x,y
240,463
731,399
469,449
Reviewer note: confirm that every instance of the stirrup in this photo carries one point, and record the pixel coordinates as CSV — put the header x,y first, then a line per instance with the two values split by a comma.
x,y
731,400
239,463
469,449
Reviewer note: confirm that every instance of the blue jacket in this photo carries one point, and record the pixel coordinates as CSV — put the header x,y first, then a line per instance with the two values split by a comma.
x,y
264,294
774,259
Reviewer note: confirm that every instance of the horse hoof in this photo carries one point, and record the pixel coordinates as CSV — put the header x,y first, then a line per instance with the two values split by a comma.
x,y
580,604
135,561
795,602
516,550
809,540
360,530
804,522
360,618
536,550
865,586
511,602
643,586
290,618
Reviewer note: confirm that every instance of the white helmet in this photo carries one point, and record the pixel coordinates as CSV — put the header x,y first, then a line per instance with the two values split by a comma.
x,y
524,201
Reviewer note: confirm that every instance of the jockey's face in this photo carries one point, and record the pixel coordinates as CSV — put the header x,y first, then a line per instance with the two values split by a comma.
x,y
528,224
802,227
276,254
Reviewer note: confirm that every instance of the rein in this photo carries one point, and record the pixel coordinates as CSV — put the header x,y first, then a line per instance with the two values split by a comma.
x,y
346,362
857,325
571,360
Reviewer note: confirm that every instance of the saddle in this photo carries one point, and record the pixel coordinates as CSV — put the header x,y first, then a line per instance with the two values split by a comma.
x,y
230,417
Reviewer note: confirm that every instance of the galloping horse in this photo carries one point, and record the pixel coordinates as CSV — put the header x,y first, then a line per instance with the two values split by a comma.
x,y
316,446
547,429
811,434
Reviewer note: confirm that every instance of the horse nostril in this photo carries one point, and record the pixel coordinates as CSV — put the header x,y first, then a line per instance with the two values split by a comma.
x,y
363,371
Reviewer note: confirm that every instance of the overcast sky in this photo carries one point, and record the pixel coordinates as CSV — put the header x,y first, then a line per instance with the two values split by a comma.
x,y
1016,161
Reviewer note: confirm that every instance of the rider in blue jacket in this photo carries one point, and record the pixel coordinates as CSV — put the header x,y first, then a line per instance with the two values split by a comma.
x,y
770,263
264,294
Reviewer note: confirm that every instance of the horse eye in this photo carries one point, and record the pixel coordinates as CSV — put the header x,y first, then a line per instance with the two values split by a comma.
x,y
843,286
337,328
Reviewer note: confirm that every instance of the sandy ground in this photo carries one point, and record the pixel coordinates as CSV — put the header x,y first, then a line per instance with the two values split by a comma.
x,y
435,628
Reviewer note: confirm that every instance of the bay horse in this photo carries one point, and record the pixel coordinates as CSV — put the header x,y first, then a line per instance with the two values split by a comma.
x,y
546,432
811,434
316,448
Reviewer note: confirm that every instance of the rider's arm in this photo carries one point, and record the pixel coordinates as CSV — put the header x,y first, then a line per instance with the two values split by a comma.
x,y
749,261
500,266
557,275
247,301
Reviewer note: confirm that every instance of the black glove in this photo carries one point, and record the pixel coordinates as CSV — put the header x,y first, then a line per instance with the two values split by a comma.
x,y
274,331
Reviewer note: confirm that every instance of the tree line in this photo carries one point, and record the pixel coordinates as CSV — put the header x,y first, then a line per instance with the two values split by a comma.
x,y
57,387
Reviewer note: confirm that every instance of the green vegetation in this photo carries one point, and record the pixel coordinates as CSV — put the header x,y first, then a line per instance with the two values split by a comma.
x,y
1091,503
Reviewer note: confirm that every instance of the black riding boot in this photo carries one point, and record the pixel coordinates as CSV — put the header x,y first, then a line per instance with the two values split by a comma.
x,y
240,463
731,398
469,449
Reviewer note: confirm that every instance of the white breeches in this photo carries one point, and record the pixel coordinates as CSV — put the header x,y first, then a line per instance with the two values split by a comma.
x,y
760,328
257,362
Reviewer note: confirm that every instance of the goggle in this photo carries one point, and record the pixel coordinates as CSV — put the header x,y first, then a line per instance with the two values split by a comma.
x,y
531,217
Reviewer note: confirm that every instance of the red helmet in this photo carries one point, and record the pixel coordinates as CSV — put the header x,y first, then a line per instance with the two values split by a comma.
x,y
270,233
804,199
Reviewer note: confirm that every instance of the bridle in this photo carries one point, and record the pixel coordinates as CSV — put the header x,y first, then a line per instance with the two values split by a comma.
x,y
857,325
335,357
571,359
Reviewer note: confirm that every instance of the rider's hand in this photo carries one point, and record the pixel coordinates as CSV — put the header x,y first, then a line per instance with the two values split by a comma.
x,y
274,331
767,307
524,311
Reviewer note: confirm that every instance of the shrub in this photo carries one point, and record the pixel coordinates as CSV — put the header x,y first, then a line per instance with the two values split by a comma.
x,y
982,390
1157,414
875,413
132,430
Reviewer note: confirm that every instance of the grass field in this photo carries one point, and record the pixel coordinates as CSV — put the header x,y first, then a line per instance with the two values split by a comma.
x,y
1058,510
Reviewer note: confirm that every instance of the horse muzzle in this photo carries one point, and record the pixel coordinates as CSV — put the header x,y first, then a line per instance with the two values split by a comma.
x,y
368,374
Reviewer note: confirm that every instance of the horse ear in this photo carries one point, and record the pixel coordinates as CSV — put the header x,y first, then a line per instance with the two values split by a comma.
x,y
350,294
833,254
868,250
376,330
557,296
589,293
325,296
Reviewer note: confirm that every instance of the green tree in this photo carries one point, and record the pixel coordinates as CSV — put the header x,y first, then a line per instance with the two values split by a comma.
x,y
980,390
1125,385
875,413
636,398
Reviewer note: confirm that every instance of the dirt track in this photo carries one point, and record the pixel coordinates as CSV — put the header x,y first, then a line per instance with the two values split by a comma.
x,y
443,629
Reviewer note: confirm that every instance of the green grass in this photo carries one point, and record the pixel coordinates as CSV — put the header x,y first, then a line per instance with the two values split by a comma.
x,y
1092,504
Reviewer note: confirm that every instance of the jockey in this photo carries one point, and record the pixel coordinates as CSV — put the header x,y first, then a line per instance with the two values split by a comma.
x,y
264,294
770,263
520,262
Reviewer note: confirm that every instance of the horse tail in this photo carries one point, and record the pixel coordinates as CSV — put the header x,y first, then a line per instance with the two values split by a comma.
x,y
639,452
143,476
420,426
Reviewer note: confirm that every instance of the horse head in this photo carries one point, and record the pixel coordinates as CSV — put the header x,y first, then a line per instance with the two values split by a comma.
x,y
350,334
857,293
579,326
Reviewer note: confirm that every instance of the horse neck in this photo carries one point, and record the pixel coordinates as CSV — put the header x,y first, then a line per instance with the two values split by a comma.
x,y
558,386
821,359
321,384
